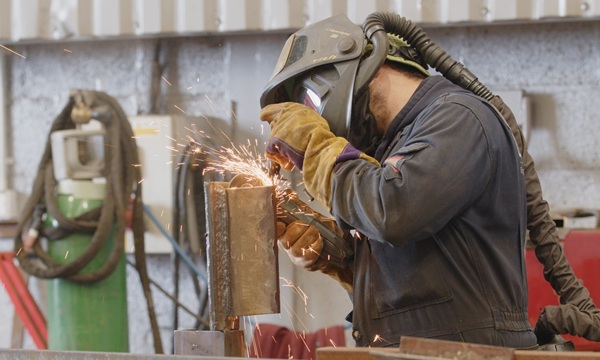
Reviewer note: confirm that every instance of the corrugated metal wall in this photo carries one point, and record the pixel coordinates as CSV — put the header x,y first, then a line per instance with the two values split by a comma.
x,y
66,19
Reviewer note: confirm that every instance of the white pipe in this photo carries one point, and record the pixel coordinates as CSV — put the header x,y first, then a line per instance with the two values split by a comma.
x,y
8,201
3,125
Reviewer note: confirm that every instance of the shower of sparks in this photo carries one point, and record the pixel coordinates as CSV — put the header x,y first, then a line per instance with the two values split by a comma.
x,y
241,160
292,314
165,80
12,51
299,333
296,289
378,338
305,344
178,108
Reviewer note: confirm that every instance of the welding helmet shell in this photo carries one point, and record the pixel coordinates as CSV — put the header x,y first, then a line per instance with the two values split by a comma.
x,y
320,67
328,66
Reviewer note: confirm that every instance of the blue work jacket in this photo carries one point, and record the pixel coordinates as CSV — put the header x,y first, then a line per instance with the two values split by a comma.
x,y
441,224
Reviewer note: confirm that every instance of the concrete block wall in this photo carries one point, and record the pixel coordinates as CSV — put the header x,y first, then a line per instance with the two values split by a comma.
x,y
556,64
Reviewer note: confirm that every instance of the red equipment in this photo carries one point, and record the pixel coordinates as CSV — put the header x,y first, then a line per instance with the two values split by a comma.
x,y
25,306
582,249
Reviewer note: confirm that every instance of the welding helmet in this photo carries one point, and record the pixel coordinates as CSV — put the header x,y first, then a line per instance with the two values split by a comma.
x,y
328,66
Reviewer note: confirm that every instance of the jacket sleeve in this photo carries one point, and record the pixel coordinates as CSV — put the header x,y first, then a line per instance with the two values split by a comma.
x,y
442,166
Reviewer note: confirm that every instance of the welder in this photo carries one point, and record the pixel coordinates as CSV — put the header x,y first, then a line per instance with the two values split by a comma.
x,y
422,176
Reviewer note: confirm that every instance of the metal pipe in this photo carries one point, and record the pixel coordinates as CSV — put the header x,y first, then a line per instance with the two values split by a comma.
x,y
3,125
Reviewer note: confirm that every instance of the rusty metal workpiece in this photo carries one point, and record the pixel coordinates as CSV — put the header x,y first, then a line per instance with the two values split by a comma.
x,y
242,253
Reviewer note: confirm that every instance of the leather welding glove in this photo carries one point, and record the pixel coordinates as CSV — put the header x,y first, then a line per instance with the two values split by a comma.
x,y
300,137
304,246
302,242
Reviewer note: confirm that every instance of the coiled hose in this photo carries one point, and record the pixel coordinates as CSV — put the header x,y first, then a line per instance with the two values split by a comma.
x,y
122,185
577,314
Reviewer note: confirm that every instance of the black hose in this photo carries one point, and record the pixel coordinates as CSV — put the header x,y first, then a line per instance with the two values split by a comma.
x,y
578,315
435,56
187,230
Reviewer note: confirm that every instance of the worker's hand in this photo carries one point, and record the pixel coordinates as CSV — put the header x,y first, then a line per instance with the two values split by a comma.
x,y
302,242
292,128
301,138
304,246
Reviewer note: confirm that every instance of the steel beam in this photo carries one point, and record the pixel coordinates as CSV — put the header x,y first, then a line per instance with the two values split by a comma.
x,y
11,354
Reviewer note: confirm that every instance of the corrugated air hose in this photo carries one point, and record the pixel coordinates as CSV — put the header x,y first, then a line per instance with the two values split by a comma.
x,y
123,187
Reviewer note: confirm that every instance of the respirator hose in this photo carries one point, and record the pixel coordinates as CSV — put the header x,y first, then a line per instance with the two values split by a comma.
x,y
435,56
578,315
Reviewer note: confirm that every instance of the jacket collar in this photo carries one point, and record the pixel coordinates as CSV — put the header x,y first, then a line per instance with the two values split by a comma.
x,y
428,90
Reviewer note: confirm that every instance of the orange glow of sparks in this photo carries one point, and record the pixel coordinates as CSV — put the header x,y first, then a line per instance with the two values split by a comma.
x,y
241,160
296,289
178,108
165,80
257,326
378,338
303,338
292,314
12,51
309,249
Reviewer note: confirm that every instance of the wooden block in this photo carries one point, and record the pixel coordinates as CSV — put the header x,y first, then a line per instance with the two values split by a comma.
x,y
347,353
556,355
453,349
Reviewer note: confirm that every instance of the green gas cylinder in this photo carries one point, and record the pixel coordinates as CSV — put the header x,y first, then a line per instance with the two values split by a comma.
x,y
85,317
